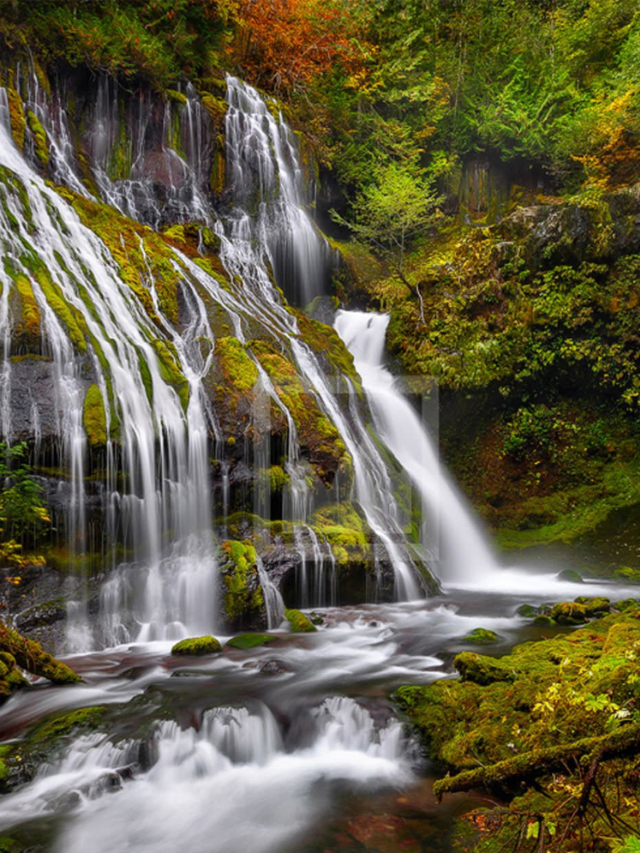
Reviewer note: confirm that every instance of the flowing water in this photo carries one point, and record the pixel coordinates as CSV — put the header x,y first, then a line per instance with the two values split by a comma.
x,y
450,536
290,747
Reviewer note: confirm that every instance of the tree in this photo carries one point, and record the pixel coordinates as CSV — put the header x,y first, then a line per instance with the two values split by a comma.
x,y
397,206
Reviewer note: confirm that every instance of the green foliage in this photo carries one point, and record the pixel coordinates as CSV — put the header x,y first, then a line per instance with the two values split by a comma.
x,y
161,40
576,690
23,515
392,210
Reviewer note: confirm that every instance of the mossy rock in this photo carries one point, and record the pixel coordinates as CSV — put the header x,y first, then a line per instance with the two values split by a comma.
x,y
544,619
569,613
17,117
40,141
481,637
206,645
83,718
243,600
30,656
94,417
527,611
298,622
628,604
481,669
597,606
250,641
570,576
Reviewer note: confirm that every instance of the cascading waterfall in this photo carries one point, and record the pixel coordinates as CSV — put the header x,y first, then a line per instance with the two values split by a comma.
x,y
253,135
450,537
264,166
162,448
99,341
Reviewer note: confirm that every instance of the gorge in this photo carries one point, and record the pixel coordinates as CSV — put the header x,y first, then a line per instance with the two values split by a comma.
x,y
221,415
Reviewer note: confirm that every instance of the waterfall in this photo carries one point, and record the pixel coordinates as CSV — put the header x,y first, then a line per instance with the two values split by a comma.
x,y
265,178
260,171
112,352
99,347
452,539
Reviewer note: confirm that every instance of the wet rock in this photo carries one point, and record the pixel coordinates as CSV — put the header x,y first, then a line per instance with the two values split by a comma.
x,y
481,669
268,667
569,613
570,576
298,622
544,619
250,641
206,645
481,637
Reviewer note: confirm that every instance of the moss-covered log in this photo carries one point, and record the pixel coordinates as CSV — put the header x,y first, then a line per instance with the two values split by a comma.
x,y
30,656
526,767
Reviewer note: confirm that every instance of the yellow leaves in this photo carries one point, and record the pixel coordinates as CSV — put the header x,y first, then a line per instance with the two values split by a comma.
x,y
615,161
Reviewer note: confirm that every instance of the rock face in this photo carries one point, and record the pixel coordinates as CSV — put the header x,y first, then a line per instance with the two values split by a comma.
x,y
565,233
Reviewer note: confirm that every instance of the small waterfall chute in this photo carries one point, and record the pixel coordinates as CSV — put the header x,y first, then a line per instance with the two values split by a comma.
x,y
453,541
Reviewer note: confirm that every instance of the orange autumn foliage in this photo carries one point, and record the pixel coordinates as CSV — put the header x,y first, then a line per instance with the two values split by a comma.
x,y
285,45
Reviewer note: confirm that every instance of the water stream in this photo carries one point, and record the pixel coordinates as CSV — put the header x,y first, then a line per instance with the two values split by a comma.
x,y
291,747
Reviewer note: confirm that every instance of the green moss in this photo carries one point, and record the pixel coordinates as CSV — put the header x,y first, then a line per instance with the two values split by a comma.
x,y
237,367
138,251
17,117
480,669
40,141
216,107
30,656
320,438
298,622
83,718
278,478
206,645
95,417
250,641
481,637
243,599
170,371
218,175
176,97
27,332
346,533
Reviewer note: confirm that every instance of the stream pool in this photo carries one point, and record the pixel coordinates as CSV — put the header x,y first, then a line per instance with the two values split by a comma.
x,y
294,746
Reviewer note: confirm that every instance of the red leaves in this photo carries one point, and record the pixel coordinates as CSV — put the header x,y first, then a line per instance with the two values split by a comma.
x,y
290,43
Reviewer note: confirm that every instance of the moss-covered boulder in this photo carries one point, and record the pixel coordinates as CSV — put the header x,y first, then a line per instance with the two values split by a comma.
x,y
298,622
242,597
568,712
21,760
569,613
250,641
570,576
481,637
481,669
11,679
197,646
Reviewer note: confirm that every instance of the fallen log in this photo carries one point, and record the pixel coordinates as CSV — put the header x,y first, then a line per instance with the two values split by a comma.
x,y
31,657
536,762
